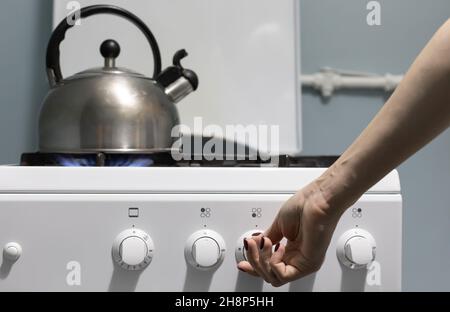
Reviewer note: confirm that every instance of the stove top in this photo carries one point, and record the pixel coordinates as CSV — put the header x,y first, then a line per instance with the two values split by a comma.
x,y
165,159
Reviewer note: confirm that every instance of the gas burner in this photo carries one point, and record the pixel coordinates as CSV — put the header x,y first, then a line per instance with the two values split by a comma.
x,y
97,160
102,160
165,159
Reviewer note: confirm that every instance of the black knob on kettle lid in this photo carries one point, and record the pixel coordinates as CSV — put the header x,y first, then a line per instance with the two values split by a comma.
x,y
110,49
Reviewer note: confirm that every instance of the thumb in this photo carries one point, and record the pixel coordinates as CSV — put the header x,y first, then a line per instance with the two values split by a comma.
x,y
274,232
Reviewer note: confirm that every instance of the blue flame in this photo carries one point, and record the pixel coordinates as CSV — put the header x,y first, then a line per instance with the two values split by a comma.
x,y
72,161
129,161
112,160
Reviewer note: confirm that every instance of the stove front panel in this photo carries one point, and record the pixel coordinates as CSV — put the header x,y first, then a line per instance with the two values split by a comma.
x,y
67,241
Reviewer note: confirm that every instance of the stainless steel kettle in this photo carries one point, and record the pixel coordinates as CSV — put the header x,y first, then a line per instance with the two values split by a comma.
x,y
109,108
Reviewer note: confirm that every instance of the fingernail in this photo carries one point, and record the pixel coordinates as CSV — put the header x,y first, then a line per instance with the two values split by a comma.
x,y
256,234
241,270
261,245
277,246
245,244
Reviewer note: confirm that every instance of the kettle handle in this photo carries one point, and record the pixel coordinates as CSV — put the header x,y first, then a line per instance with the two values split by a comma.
x,y
53,54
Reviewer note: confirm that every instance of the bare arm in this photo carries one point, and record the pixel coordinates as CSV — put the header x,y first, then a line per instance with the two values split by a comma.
x,y
415,114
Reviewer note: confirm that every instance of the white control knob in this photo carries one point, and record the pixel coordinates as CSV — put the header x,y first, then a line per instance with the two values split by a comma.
x,y
12,251
356,248
240,253
205,250
133,249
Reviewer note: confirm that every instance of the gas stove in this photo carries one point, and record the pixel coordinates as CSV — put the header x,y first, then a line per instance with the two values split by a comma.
x,y
146,222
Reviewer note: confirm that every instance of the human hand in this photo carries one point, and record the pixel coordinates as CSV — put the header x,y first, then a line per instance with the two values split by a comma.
x,y
307,222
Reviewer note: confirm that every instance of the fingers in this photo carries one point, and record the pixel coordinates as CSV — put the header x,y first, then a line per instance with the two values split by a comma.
x,y
284,272
271,265
274,232
253,257
289,270
265,254
246,267
259,253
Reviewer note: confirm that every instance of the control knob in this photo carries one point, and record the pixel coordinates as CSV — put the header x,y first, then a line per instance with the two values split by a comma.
x,y
205,250
133,249
12,251
356,248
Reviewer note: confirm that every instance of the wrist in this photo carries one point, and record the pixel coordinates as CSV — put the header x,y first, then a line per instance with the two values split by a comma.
x,y
338,185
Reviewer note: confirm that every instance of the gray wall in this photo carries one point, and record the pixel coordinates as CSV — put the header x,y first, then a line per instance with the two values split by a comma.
x,y
335,33
25,26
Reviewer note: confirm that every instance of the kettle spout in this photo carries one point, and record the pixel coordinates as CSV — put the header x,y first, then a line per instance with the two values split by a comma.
x,y
177,81
179,89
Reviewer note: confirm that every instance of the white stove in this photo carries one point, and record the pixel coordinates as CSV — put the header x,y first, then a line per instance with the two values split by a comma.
x,y
177,229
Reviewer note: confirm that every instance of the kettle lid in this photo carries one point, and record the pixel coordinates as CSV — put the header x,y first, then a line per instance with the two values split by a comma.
x,y
110,50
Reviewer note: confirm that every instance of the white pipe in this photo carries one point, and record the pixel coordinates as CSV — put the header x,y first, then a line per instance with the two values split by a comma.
x,y
329,80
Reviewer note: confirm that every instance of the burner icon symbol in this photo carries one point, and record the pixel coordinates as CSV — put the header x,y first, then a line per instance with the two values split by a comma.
x,y
356,212
256,212
205,212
